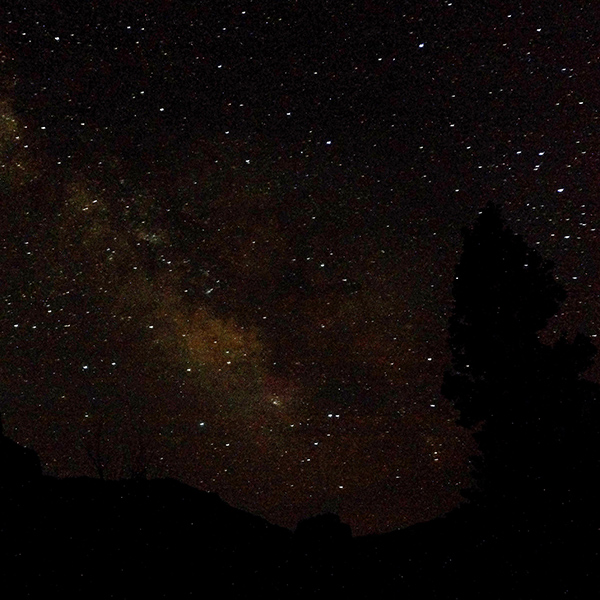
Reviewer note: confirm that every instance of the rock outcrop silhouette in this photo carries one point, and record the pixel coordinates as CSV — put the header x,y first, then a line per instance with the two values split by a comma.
x,y
18,465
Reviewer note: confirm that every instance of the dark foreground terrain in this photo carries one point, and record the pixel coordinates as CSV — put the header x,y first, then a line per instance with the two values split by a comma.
x,y
87,538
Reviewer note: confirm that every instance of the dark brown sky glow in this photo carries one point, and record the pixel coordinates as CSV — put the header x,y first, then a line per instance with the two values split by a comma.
x,y
229,234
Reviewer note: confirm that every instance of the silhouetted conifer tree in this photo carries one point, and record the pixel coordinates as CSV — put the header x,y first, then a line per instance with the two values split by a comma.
x,y
531,412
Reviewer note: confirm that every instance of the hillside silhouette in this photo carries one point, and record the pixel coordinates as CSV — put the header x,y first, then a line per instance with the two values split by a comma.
x,y
120,539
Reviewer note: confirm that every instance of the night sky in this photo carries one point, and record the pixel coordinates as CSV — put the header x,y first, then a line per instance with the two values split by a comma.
x,y
229,232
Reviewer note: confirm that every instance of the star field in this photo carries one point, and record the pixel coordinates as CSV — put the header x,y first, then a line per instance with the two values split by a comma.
x,y
230,234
